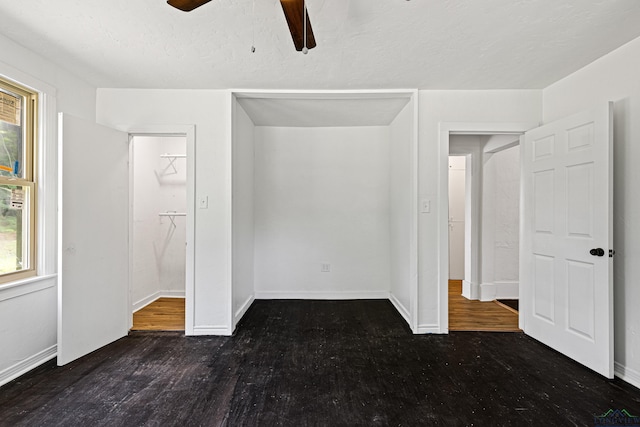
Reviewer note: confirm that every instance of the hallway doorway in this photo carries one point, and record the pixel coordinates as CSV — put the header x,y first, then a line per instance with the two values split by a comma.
x,y
483,232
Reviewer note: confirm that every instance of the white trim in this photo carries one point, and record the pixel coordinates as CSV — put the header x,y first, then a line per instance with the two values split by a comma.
x,y
322,295
138,305
28,364
26,286
222,330
172,294
627,374
470,290
431,329
521,226
188,131
243,310
499,290
445,130
414,292
228,203
323,94
142,303
402,310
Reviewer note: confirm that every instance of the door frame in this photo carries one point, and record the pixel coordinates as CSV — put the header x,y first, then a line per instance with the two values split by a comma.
x,y
445,130
187,131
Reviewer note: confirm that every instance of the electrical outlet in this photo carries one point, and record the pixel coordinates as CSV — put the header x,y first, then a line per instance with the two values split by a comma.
x,y
203,202
425,206
325,268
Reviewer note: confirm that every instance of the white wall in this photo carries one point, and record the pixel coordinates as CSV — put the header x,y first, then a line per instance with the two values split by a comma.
x,y
614,77
500,224
457,196
401,133
28,308
243,216
490,106
158,247
210,112
322,197
471,147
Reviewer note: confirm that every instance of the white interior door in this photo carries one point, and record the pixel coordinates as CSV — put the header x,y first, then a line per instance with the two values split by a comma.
x,y
94,250
565,268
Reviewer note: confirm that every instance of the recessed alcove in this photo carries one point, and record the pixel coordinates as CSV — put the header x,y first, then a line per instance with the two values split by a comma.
x,y
324,197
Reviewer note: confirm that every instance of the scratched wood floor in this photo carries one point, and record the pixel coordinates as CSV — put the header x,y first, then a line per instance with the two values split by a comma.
x,y
167,314
316,363
470,315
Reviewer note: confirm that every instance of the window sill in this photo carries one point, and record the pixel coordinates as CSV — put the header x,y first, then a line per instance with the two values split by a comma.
x,y
25,286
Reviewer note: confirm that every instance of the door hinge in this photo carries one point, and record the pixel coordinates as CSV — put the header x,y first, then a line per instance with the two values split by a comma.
x,y
612,252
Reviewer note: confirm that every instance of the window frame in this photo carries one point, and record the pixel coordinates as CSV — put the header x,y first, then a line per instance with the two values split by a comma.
x,y
30,176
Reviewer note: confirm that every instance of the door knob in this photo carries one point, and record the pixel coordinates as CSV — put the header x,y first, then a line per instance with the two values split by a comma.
x,y
597,252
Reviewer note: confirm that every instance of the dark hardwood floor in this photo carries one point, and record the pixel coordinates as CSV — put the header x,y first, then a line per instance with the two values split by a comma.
x,y
316,363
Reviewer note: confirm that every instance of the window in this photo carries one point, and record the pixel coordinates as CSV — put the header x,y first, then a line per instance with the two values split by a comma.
x,y
18,123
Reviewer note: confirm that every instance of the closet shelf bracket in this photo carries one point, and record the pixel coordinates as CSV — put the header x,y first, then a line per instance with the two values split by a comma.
x,y
172,158
172,216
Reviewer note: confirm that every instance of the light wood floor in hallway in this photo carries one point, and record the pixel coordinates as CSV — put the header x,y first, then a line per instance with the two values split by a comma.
x,y
164,314
167,314
470,315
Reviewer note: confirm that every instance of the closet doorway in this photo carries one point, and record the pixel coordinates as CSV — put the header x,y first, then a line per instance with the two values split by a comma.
x,y
158,231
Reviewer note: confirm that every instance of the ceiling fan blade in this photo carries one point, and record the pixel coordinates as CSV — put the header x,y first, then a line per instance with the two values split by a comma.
x,y
187,5
294,12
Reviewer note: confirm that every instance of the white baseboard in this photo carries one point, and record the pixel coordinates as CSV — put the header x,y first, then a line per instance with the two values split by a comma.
x,y
211,330
401,308
243,309
322,295
430,329
154,296
627,374
28,364
470,290
499,290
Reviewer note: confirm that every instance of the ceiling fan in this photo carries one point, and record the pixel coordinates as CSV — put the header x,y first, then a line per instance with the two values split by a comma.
x,y
294,11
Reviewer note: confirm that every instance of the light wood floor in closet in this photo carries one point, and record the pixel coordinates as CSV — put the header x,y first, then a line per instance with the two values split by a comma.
x,y
167,314
164,314
473,315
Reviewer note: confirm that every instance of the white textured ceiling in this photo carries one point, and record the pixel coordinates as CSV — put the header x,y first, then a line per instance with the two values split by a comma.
x,y
367,44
